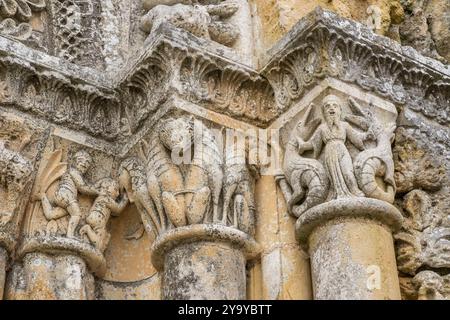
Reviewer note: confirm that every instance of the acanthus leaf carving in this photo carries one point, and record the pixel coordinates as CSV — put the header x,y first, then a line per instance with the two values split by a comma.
x,y
15,17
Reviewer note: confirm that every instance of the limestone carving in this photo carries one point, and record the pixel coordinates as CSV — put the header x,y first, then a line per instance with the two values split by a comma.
x,y
330,172
15,171
424,238
75,22
201,19
170,193
71,183
374,18
303,65
15,17
305,177
238,191
415,168
104,205
420,29
431,286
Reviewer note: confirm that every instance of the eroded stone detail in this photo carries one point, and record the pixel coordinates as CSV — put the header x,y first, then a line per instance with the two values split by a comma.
x,y
323,51
330,172
14,175
63,213
15,17
189,196
422,245
180,180
76,26
205,19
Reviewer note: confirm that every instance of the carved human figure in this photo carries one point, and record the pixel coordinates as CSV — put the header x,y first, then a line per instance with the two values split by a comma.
x,y
331,136
103,207
66,196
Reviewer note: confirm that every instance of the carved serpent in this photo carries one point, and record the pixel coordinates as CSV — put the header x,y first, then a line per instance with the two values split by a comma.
x,y
377,162
307,178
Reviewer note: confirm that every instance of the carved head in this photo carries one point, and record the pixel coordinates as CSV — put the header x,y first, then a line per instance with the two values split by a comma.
x,y
332,108
177,134
82,161
18,171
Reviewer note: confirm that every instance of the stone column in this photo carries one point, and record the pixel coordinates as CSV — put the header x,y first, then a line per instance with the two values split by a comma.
x,y
351,249
55,268
285,268
204,262
60,252
338,180
202,213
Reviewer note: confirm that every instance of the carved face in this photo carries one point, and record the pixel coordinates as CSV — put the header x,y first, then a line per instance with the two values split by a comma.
x,y
176,134
83,161
332,109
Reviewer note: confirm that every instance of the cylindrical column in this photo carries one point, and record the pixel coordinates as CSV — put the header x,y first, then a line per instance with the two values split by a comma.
x,y
47,277
55,268
205,262
351,249
285,268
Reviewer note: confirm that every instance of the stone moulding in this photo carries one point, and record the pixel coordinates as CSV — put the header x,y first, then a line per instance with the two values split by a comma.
x,y
203,232
365,208
61,245
176,63
323,44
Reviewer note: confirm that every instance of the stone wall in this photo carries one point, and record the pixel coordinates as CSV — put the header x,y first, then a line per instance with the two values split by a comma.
x,y
208,149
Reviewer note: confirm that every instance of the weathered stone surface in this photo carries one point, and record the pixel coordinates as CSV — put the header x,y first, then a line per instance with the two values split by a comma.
x,y
204,271
353,259
47,277
164,149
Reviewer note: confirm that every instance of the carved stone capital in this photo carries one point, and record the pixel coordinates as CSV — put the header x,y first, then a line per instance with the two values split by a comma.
x,y
62,245
203,233
341,209
204,262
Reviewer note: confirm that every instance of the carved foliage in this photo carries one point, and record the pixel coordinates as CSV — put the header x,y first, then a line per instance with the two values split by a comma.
x,y
199,79
15,17
58,101
327,52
